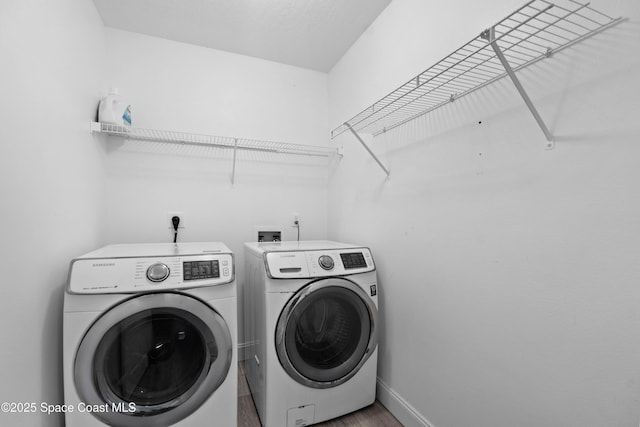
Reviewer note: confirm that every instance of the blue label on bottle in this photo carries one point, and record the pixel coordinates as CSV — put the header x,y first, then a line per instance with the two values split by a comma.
x,y
126,116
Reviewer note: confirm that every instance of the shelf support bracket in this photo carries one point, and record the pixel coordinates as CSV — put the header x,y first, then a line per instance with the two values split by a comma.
x,y
235,151
489,35
366,147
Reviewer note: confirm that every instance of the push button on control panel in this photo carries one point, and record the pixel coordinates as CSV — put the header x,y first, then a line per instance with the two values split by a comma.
x,y
157,272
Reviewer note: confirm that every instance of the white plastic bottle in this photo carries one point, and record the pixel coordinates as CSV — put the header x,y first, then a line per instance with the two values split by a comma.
x,y
114,110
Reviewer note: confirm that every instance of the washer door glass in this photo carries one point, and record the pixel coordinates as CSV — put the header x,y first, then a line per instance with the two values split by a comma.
x,y
153,359
326,332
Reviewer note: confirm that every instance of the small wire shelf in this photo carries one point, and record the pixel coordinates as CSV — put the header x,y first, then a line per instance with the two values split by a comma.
x,y
534,32
174,137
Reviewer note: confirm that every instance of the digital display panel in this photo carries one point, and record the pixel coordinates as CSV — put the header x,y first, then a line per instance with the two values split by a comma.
x,y
196,270
353,260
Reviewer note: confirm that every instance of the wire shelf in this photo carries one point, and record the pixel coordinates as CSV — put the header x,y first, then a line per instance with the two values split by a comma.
x,y
174,137
534,32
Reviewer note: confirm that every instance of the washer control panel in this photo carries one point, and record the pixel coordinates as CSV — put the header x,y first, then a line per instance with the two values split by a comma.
x,y
318,263
141,274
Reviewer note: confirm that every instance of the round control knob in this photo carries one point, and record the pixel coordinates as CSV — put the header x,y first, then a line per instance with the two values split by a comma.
x,y
326,262
157,272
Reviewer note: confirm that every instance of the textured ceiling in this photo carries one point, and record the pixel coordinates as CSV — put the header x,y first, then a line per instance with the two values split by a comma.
x,y
311,34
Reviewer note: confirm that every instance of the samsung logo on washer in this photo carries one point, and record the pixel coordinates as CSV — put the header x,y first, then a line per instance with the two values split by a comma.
x,y
104,264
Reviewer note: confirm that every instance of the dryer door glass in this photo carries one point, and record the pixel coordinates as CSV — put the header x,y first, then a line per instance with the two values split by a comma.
x,y
326,332
153,360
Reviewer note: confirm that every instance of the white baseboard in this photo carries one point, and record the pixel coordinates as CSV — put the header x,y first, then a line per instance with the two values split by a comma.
x,y
400,408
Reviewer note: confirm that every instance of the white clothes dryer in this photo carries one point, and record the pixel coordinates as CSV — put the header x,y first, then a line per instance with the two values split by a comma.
x,y
311,330
149,336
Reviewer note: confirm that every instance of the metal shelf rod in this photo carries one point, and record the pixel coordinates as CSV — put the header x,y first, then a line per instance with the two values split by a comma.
x,y
366,147
171,137
490,35
233,170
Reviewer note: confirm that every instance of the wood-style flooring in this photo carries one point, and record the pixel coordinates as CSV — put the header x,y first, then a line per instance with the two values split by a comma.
x,y
375,415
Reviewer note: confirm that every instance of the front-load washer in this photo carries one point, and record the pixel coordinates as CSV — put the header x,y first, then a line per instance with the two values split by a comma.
x,y
149,336
311,330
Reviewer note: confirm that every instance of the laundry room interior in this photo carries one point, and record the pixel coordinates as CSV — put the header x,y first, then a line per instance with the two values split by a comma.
x,y
507,252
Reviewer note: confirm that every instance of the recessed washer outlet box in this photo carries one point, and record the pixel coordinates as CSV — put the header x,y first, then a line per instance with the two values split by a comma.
x,y
269,233
269,236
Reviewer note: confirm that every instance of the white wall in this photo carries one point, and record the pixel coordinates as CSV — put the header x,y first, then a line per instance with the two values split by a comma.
x,y
52,186
508,274
181,87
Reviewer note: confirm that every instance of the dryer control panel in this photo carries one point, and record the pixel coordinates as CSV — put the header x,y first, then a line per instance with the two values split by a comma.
x,y
318,263
146,274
